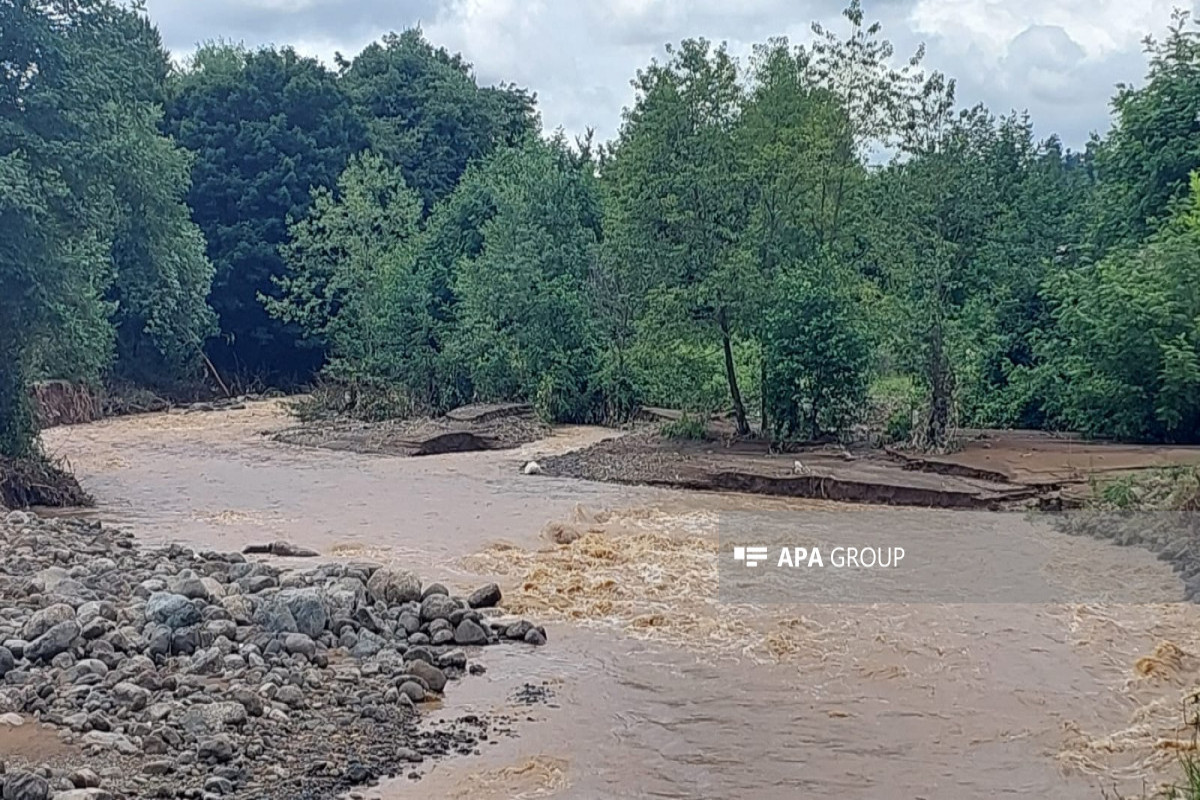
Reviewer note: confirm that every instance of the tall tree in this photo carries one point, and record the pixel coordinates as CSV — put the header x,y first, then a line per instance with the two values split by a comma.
x,y
679,199
79,198
426,114
266,127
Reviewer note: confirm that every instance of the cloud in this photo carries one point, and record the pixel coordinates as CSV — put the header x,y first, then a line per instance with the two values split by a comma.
x,y
1060,60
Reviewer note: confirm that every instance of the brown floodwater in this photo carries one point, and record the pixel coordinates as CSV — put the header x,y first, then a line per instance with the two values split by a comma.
x,y
653,687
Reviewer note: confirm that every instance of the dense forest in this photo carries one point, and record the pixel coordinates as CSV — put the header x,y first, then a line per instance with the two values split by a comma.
x,y
795,238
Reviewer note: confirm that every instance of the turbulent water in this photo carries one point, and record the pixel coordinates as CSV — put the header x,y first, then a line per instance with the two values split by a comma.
x,y
650,687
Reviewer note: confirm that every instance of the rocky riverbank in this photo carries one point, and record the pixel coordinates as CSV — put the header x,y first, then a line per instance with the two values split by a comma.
x,y
172,673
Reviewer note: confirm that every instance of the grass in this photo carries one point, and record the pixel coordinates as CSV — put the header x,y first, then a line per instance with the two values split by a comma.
x,y
1165,489
686,427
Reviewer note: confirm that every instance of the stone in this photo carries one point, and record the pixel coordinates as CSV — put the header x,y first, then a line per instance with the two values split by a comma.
x,y
485,597
93,793
438,606
84,779
413,691
299,644
394,586
171,610
307,610
434,678
25,786
290,696
111,741
7,661
218,749
54,641
535,637
45,619
469,632
275,616
132,696
212,717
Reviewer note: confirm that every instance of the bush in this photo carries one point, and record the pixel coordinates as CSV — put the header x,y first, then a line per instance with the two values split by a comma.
x,y
686,427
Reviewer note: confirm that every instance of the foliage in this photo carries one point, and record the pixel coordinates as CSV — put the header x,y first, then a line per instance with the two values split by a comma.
x,y
266,127
817,357
686,427
1126,346
426,115
97,247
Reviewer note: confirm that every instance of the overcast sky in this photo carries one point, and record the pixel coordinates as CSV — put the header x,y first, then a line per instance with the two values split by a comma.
x,y
1057,58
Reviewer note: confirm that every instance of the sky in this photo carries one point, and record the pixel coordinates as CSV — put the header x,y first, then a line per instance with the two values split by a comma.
x,y
1058,59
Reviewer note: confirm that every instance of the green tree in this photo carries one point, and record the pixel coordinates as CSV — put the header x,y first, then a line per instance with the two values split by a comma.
x,y
524,325
678,203
355,284
79,198
425,113
1126,347
266,128
1144,162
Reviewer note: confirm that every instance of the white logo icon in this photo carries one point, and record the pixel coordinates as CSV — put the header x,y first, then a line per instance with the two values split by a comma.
x,y
751,555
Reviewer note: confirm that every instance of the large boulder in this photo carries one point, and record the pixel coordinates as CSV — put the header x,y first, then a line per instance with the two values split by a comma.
x,y
438,606
45,619
485,597
172,610
307,610
25,786
54,641
394,586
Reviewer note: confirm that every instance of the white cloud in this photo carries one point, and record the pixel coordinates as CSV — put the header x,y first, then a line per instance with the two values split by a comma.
x,y
1058,58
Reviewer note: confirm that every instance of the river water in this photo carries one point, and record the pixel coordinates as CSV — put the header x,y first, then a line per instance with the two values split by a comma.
x,y
652,687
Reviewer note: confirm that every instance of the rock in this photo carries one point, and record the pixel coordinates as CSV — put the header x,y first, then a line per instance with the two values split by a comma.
x,y
47,618
171,610
111,741
25,786
218,749
438,606
517,630
54,641
84,779
532,468
535,637
11,720
307,610
413,691
434,588
281,549
394,586
453,658
469,632
132,696
434,678
212,717
299,644
7,661
93,793
275,616
290,696
485,597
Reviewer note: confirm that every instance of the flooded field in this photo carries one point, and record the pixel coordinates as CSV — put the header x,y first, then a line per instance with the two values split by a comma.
x,y
650,687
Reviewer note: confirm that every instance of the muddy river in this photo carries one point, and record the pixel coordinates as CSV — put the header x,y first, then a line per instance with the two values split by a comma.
x,y
653,688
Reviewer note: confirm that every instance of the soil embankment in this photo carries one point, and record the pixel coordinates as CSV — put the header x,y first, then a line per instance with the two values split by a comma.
x,y
466,429
992,470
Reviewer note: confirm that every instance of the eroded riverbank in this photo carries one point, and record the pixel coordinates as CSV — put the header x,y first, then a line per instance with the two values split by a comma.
x,y
657,689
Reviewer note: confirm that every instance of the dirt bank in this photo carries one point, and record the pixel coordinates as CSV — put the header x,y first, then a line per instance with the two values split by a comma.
x,y
466,429
993,469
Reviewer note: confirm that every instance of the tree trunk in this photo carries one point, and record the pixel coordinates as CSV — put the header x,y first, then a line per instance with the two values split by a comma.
x,y
764,425
941,393
17,429
739,408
